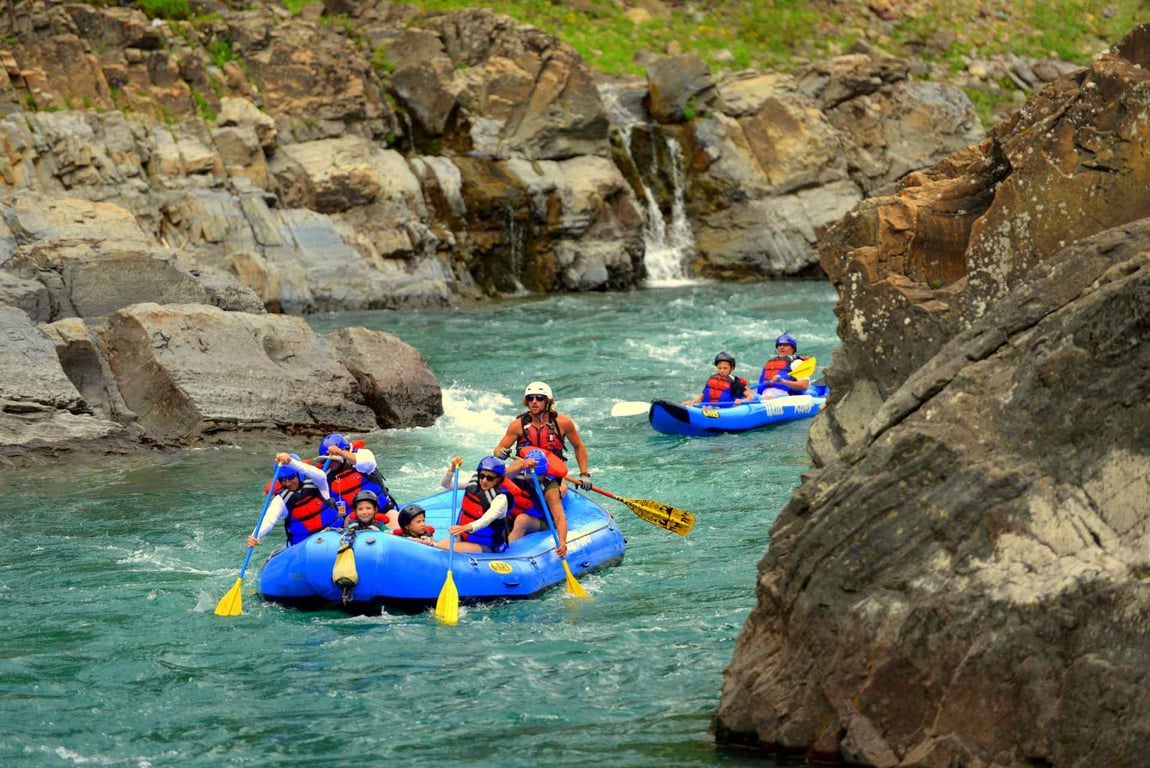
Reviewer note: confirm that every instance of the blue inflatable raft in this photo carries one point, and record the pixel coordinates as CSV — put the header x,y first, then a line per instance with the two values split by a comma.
x,y
704,421
396,573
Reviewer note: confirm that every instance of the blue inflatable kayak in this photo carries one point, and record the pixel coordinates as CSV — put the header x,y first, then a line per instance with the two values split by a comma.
x,y
704,421
398,573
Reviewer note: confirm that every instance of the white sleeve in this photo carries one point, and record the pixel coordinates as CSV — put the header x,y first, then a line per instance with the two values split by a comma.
x,y
315,474
446,482
276,511
364,461
497,510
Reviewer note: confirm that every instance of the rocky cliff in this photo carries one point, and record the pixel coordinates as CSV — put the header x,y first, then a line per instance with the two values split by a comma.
x,y
962,579
364,155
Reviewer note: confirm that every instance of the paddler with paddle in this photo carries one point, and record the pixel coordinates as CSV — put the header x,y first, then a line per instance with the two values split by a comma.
x,y
724,386
782,374
541,426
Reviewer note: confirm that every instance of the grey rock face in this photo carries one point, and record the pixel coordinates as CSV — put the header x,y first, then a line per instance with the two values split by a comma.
x,y
965,583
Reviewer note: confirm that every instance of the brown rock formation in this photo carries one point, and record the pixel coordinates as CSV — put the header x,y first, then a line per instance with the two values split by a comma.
x,y
915,267
961,580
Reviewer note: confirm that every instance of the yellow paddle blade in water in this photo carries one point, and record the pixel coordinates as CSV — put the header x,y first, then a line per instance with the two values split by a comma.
x,y
574,587
232,604
447,604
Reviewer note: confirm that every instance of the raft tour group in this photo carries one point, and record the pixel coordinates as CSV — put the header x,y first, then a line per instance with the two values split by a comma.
x,y
515,528
728,403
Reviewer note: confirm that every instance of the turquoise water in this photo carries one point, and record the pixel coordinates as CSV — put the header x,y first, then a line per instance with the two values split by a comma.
x,y
109,572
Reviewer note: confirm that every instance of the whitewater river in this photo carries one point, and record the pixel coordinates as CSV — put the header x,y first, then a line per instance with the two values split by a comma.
x,y
109,572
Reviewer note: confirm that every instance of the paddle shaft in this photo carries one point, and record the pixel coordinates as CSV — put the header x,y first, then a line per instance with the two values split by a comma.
x,y
451,517
546,509
260,519
573,585
447,604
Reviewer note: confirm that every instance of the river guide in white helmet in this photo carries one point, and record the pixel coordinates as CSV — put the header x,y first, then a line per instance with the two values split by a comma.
x,y
541,426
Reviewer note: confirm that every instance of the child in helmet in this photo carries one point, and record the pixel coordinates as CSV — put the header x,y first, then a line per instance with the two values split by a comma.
x,y
775,380
413,525
723,386
362,517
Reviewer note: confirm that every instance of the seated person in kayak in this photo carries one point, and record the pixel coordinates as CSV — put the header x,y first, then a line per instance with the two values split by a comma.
x,y
413,525
351,471
723,386
303,502
490,502
775,380
363,518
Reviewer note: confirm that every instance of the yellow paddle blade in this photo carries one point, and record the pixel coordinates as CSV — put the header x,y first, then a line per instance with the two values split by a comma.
x,y
232,604
447,604
804,369
574,588
663,515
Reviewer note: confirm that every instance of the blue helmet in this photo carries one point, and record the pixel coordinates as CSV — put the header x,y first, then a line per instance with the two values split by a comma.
x,y
786,338
540,461
334,439
493,465
286,470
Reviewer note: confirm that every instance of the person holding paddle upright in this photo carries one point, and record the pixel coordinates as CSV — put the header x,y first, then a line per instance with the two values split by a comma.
x,y
541,426
724,386
303,502
777,379
489,504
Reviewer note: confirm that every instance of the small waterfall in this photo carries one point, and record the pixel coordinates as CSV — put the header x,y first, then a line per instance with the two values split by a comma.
x,y
668,244
514,234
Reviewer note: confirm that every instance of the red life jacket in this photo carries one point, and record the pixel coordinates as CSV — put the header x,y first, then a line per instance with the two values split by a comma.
x,y
429,533
548,436
475,503
346,482
777,366
521,501
718,388
308,512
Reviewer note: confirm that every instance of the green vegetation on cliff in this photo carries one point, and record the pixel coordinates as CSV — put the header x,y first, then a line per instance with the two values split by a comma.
x,y
618,37
770,34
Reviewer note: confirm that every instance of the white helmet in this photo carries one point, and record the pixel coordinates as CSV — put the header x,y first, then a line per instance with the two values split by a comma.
x,y
538,388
